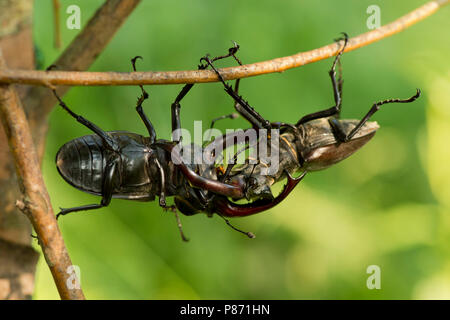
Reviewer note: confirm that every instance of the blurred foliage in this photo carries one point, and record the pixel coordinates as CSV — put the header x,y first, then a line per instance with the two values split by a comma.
x,y
387,205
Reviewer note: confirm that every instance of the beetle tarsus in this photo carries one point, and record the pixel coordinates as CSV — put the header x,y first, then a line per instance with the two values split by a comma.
x,y
51,67
231,53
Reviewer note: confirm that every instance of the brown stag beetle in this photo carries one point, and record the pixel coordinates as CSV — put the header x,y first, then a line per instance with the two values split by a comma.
x,y
125,165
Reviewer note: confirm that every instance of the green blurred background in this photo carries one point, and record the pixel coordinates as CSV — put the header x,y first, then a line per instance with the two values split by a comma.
x,y
388,205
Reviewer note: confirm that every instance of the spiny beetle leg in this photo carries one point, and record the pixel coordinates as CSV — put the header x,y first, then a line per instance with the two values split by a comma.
x,y
337,87
140,111
340,81
343,137
337,90
162,194
175,108
231,53
213,122
87,207
107,191
106,138
242,106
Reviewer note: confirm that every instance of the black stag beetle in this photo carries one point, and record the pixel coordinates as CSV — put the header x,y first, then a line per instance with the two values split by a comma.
x,y
125,165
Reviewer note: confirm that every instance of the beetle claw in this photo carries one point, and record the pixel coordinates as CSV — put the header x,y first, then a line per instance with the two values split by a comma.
x,y
135,58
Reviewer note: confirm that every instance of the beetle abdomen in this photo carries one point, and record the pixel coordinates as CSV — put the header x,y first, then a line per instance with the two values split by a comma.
x,y
81,161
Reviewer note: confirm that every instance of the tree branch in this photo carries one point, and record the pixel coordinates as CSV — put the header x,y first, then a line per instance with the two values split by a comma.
x,y
70,78
38,101
36,202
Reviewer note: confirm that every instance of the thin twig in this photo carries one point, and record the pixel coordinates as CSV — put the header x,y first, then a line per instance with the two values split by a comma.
x,y
79,55
36,202
56,24
70,78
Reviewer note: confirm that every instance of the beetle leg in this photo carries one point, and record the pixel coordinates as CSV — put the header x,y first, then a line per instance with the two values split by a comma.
x,y
242,106
162,194
140,111
337,90
343,137
231,53
175,108
228,116
107,191
213,122
106,138
340,81
232,115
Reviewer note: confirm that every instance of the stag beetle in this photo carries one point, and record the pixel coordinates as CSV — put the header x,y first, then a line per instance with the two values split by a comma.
x,y
120,164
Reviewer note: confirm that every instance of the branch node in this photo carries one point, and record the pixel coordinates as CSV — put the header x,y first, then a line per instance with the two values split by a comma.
x,y
21,205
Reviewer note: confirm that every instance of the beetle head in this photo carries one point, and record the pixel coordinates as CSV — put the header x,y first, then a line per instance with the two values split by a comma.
x,y
321,149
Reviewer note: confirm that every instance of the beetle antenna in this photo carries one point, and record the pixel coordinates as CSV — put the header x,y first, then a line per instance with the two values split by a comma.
x,y
248,234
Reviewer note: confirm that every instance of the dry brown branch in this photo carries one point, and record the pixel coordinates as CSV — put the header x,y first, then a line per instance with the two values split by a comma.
x,y
43,78
38,102
36,202
17,258
77,57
